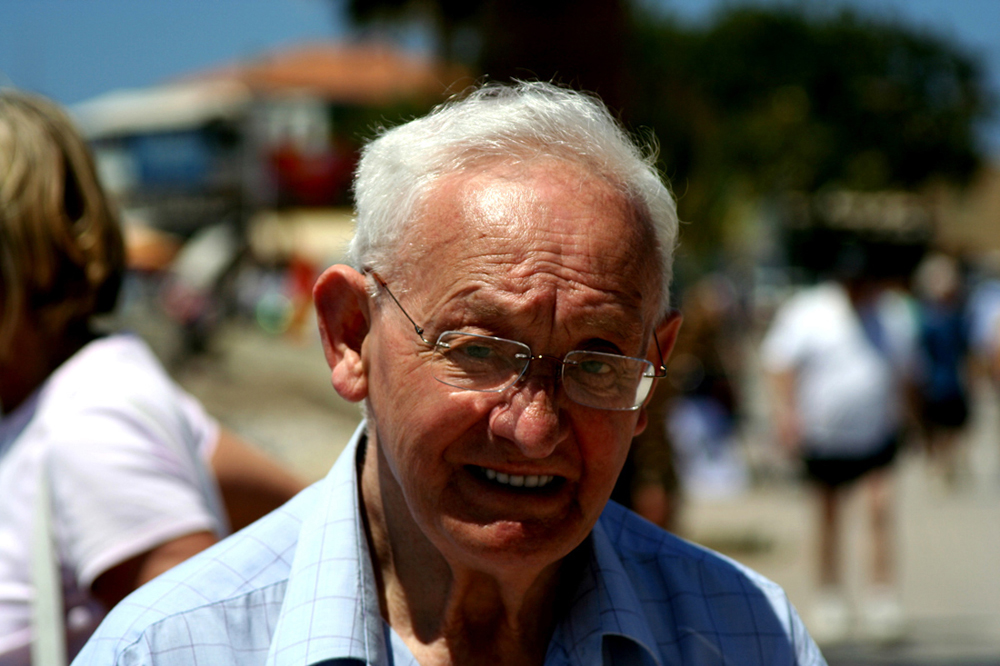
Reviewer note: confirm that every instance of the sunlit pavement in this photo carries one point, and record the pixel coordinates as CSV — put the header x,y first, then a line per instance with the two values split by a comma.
x,y
276,392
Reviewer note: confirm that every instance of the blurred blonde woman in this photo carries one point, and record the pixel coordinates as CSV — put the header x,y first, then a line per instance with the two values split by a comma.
x,y
138,476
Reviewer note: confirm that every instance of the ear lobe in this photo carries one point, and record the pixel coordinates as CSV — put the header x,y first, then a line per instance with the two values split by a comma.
x,y
344,318
643,421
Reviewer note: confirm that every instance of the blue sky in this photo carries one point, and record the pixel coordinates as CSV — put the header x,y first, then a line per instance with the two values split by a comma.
x,y
74,49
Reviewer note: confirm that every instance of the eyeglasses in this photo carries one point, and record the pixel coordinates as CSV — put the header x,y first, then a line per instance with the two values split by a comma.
x,y
485,363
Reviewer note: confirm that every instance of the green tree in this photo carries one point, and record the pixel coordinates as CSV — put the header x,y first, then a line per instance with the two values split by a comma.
x,y
578,42
758,102
448,17
764,101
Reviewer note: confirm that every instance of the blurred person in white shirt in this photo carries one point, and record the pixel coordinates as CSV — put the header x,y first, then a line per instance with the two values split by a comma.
x,y
135,475
839,355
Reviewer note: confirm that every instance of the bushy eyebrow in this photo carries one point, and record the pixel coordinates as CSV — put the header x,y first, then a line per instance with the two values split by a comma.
x,y
621,326
496,318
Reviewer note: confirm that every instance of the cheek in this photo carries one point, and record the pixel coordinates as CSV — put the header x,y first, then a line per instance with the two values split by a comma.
x,y
604,444
398,383
418,419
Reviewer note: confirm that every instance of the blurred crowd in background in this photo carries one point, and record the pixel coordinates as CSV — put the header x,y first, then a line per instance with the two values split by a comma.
x,y
839,272
807,149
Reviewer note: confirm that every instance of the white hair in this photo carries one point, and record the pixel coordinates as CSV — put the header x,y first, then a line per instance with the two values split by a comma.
x,y
514,122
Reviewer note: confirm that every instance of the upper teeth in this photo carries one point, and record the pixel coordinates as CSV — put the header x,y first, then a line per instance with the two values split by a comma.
x,y
518,480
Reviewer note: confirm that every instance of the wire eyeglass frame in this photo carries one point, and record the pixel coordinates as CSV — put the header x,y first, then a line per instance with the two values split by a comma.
x,y
642,390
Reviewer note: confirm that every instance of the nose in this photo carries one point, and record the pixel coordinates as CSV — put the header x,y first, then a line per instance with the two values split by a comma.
x,y
532,418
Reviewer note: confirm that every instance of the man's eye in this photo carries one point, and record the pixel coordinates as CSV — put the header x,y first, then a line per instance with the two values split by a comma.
x,y
593,367
477,351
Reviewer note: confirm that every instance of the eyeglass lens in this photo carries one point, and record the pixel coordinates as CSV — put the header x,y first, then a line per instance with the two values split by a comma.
x,y
595,379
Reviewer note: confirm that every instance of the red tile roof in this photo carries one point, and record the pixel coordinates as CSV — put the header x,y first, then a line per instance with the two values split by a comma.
x,y
364,73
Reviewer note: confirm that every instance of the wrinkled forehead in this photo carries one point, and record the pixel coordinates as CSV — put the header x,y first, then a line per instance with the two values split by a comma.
x,y
535,215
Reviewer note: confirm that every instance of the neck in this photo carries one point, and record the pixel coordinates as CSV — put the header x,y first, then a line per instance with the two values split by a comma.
x,y
32,357
445,612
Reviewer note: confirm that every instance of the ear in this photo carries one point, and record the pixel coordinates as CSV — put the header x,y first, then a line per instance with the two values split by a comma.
x,y
344,318
666,336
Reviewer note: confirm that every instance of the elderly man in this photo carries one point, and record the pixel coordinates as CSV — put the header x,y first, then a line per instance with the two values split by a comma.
x,y
503,323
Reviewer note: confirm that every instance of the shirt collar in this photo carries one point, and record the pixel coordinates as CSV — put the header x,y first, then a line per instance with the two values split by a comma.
x,y
604,605
331,606
344,620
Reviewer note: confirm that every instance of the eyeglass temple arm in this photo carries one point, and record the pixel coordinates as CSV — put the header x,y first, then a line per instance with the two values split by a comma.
x,y
662,371
382,283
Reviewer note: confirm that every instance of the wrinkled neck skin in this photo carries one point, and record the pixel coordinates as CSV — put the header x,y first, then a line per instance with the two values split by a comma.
x,y
446,612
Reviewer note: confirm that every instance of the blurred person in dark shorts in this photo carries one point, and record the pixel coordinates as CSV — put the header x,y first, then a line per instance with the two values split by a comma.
x,y
943,388
839,355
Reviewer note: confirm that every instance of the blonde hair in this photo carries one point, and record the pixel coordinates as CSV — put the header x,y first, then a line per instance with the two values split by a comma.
x,y
61,251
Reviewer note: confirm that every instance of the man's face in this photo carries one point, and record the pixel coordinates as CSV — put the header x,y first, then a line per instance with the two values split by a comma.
x,y
545,254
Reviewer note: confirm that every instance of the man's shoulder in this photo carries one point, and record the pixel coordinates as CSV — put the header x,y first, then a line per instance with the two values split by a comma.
x,y
197,603
643,546
717,601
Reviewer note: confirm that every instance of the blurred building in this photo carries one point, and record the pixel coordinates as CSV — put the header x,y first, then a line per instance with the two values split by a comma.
x,y
896,227
278,131
969,219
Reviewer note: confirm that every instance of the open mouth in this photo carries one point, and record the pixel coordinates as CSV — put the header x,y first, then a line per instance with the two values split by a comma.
x,y
519,481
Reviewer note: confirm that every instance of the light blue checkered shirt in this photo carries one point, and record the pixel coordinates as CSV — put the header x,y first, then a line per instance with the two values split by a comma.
x,y
297,587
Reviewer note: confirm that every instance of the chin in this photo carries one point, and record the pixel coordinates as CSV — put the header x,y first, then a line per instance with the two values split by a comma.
x,y
527,546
